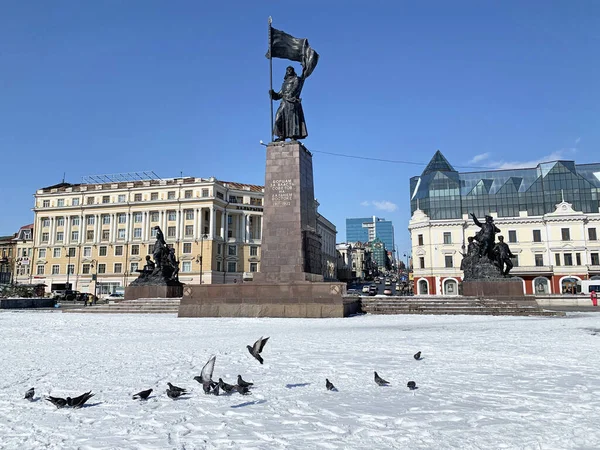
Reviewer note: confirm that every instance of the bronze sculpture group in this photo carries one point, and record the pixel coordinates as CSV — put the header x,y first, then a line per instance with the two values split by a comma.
x,y
164,269
486,258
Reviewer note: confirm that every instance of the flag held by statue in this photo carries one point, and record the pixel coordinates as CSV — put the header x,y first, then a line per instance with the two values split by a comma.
x,y
285,46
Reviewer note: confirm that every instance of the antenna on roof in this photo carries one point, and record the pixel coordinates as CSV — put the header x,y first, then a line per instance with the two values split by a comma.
x,y
64,174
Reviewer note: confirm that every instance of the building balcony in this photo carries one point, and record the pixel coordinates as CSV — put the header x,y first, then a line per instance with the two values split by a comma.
x,y
531,269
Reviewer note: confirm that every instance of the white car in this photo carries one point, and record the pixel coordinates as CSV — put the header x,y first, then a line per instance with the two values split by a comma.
x,y
365,289
114,296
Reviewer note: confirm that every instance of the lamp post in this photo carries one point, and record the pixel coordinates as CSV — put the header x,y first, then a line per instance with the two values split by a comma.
x,y
94,264
68,286
199,257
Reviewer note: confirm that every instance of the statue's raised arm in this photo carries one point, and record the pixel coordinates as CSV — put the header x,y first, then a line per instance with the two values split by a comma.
x,y
477,222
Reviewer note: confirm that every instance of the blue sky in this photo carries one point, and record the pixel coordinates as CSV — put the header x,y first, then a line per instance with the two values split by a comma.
x,y
108,87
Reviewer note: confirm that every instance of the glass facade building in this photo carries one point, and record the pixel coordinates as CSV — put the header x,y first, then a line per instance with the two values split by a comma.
x,y
441,192
367,229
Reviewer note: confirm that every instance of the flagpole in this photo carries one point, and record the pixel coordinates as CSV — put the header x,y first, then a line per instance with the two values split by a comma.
x,y
271,76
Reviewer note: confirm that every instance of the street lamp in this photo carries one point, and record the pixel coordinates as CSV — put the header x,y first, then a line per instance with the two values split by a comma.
x,y
199,257
68,286
94,264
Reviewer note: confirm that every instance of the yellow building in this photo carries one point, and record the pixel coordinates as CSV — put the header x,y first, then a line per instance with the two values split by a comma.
x,y
96,236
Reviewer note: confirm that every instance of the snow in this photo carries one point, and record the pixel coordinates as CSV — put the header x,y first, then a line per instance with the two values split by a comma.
x,y
484,382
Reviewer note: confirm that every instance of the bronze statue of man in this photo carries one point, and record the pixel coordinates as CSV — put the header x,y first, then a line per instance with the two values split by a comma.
x,y
289,119
486,236
503,255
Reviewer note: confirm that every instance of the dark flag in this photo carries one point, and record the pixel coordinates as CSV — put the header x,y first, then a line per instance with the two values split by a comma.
x,y
285,46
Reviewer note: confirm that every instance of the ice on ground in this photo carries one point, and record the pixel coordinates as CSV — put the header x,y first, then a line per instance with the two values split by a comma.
x,y
484,382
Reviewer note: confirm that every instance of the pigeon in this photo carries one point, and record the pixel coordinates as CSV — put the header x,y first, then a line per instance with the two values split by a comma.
x,y
243,383
257,348
143,395
176,389
226,387
417,356
380,381
329,385
78,402
412,385
205,378
174,393
244,390
57,401
216,390
29,394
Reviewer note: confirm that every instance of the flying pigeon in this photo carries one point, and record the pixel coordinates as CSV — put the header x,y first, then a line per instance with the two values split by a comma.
x,y
174,393
243,383
143,395
244,390
412,385
257,348
417,356
78,402
380,381
226,387
329,385
57,401
29,394
176,389
205,378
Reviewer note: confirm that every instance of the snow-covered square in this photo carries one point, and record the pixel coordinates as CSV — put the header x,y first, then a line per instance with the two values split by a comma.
x,y
483,382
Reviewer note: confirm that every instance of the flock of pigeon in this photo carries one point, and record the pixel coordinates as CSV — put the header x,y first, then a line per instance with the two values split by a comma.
x,y
205,379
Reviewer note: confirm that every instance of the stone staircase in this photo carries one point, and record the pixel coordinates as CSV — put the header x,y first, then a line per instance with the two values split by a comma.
x,y
139,306
523,306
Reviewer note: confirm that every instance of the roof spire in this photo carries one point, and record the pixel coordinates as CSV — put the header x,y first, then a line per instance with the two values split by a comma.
x,y
438,163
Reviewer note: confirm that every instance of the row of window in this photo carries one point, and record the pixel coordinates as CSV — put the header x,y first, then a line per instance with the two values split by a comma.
x,y
122,218
512,236
565,258
86,269
232,250
121,234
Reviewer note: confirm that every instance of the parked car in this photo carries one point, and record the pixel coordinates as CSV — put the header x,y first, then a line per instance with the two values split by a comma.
x,y
373,289
387,291
365,289
67,294
388,282
114,296
353,292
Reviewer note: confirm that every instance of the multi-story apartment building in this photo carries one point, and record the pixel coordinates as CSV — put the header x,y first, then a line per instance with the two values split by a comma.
x,y
367,229
549,215
7,258
23,243
328,232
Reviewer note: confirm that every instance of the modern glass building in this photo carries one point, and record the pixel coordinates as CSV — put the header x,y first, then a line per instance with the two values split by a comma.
x,y
367,229
441,192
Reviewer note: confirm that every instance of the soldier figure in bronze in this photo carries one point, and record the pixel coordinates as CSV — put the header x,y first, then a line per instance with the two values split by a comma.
x,y
503,255
289,119
486,236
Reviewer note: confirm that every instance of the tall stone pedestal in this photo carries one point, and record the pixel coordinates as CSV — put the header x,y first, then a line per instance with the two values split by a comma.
x,y
494,288
153,291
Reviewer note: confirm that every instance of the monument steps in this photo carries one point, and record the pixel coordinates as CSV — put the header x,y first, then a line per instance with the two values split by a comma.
x,y
138,306
453,305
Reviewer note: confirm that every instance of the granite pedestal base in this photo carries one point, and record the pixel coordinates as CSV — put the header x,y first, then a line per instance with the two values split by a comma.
x,y
149,291
300,299
500,288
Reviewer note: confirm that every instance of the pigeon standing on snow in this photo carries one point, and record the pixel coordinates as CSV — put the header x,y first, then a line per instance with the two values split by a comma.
x,y
176,389
205,378
78,402
174,394
329,385
143,395
417,356
257,348
226,387
244,390
412,385
29,394
380,381
243,383
57,401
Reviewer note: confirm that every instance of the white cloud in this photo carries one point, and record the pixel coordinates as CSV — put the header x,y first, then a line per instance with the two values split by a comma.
x,y
565,153
365,203
578,140
479,158
382,205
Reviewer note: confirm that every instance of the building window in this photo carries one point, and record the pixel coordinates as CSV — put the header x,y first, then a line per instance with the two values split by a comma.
x,y
595,259
150,249
447,238
137,233
102,251
592,234
45,222
137,197
106,199
89,235
122,198
135,249
42,253
105,235
420,238
122,218
118,250
71,252
87,252
578,258
90,200
231,266
188,193
40,269
512,236
422,262
537,236
557,259
187,247
90,220
75,220
253,267
189,214
102,268
75,202
105,219
46,204
45,237
118,268
448,261
85,269
121,233
218,266
137,217
171,195
566,234
220,195
153,232
171,216
154,196
60,202
539,260
171,232
60,236
56,253
232,250
60,221
133,267
253,250
568,258
204,192
229,219
219,249
71,269
186,266
189,230
55,269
